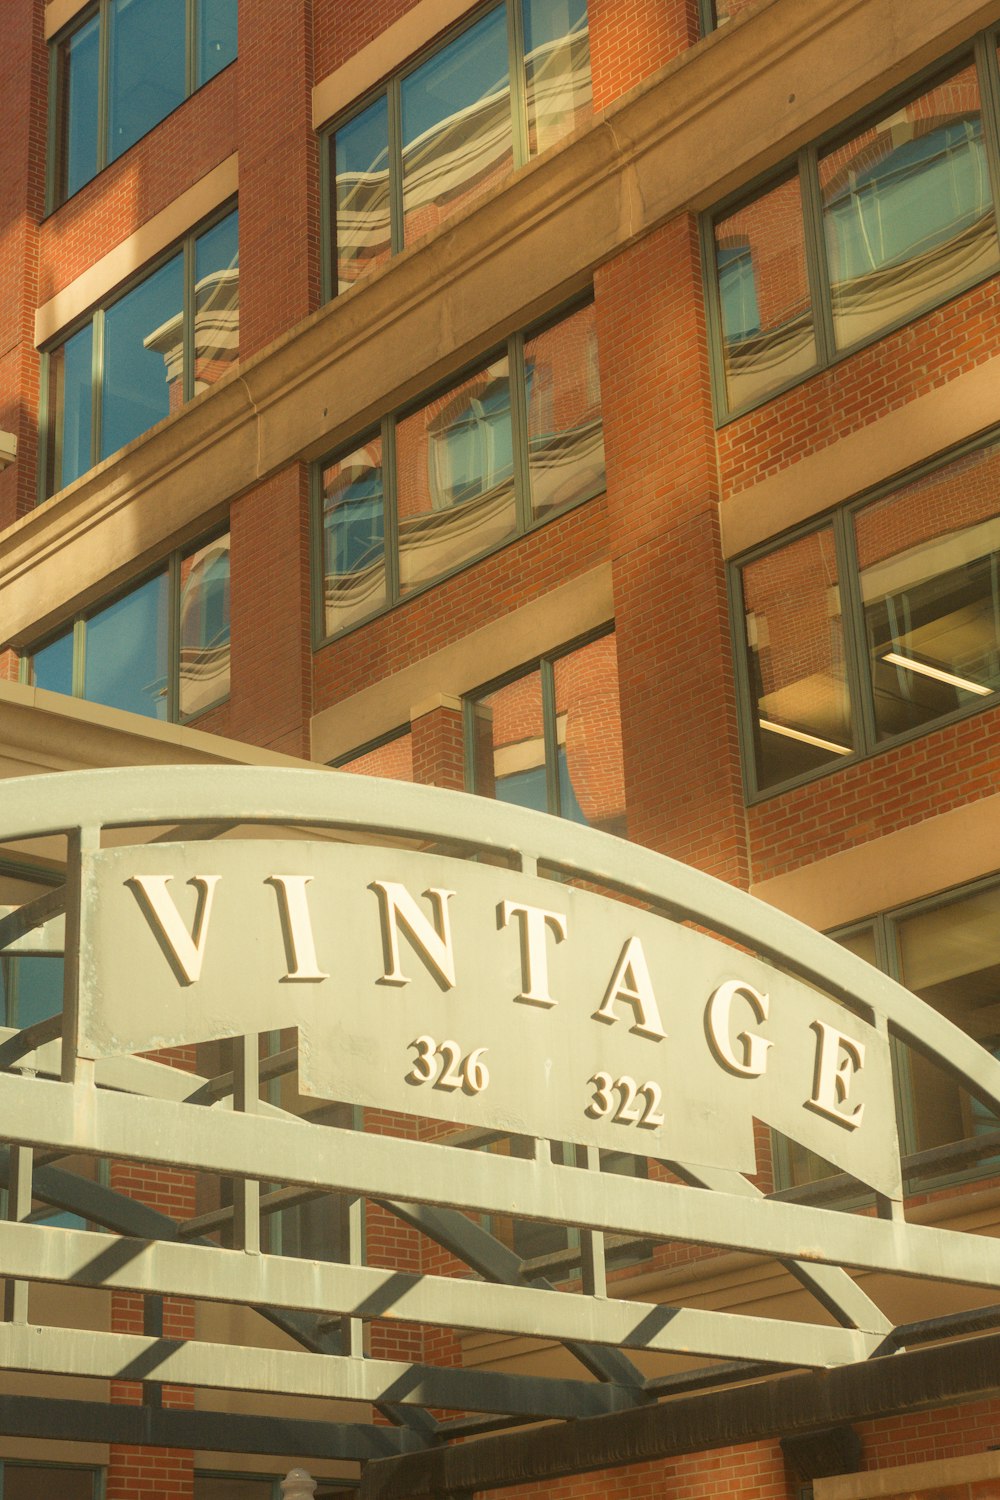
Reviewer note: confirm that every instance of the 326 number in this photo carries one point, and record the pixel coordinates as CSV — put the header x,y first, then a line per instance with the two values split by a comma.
x,y
442,1065
635,1104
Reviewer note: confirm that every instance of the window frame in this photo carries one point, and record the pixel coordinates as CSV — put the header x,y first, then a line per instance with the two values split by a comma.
x,y
54,117
840,521
980,53
513,349
391,90
544,665
170,567
94,318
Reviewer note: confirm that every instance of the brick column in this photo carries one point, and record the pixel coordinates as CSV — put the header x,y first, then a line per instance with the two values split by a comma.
x,y
438,744
271,661
682,773
24,81
629,42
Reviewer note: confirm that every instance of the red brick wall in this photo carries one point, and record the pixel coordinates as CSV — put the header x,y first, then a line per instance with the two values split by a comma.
x,y
629,42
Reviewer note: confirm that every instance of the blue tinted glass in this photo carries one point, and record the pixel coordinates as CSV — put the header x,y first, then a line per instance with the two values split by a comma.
x,y
52,667
33,989
569,806
70,405
77,107
524,789
361,194
353,537
457,133
216,37
143,357
217,301
147,68
126,664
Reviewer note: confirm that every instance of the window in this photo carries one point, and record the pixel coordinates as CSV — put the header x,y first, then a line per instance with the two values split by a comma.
x,y
715,13
121,68
947,951
32,1481
162,649
874,624
441,133
390,756
141,355
861,234
443,482
550,738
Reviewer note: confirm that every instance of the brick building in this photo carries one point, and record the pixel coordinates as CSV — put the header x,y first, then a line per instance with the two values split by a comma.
x,y
590,404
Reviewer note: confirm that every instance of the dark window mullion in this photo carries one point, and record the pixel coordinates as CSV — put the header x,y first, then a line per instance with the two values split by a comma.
x,y
53,133
187,325
190,48
551,734
746,707
816,262
518,89
852,614
988,72
394,113
104,86
713,315
519,430
327,217
390,515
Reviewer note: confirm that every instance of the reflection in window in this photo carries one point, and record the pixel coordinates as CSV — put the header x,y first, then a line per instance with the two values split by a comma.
x,y
930,585
796,655
31,988
765,303
147,77
458,133
203,670
923,626
161,649
353,513
134,353
28,1481
907,209
551,738
513,442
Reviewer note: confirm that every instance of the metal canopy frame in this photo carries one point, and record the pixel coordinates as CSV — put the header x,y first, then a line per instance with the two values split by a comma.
x,y
53,1102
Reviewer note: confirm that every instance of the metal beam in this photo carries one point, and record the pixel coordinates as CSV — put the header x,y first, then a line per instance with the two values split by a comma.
x,y
16,922
208,1431
39,1350
787,1404
81,1118
80,1257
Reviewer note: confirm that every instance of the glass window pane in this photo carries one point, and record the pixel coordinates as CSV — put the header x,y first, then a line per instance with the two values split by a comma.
x,y
52,667
394,759
907,209
359,193
143,357
509,744
77,66
565,434
32,988
556,69
457,135
127,651
204,627
216,301
216,37
70,404
353,537
950,957
40,1482
795,644
589,734
455,486
728,10
147,67
767,321
929,558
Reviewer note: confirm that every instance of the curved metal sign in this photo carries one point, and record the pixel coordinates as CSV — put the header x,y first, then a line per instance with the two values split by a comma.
x,y
458,991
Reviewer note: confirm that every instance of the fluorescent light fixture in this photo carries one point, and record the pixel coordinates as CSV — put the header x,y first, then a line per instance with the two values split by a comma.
x,y
938,673
807,739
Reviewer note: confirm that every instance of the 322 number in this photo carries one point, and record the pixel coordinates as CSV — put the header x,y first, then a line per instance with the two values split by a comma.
x,y
442,1065
626,1108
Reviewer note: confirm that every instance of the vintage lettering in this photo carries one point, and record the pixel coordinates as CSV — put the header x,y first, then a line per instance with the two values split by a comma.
x,y
296,925
838,1058
534,924
431,941
185,950
718,1028
631,982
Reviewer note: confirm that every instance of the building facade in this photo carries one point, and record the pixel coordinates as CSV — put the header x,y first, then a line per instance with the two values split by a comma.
x,y
588,404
